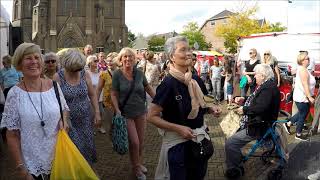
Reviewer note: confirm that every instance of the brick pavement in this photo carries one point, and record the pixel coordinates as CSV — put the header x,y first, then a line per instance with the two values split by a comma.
x,y
115,167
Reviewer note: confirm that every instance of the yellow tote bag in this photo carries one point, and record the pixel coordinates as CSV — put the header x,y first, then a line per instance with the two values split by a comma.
x,y
68,163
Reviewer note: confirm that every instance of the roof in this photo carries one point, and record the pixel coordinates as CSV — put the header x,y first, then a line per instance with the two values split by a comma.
x,y
261,22
222,14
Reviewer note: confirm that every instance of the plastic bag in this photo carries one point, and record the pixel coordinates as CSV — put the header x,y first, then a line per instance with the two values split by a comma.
x,y
120,134
68,163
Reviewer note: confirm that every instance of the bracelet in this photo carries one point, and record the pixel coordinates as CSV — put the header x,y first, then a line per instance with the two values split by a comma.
x,y
19,165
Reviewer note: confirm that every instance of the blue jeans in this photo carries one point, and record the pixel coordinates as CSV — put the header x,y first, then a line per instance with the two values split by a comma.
x,y
303,110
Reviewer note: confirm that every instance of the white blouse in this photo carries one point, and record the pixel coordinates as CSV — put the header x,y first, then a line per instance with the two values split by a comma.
x,y
19,114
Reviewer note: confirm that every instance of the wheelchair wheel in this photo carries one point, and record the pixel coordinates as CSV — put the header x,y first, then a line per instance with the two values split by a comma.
x,y
275,174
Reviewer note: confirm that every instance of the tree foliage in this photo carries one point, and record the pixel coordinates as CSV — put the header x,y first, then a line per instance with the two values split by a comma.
x,y
191,31
243,24
156,43
131,38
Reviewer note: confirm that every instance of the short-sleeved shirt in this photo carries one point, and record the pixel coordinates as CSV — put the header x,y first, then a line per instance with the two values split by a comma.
x,y
9,77
204,66
216,72
166,98
136,104
107,88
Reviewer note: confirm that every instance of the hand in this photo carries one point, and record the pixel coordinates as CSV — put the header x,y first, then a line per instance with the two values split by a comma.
x,y
278,85
64,125
97,119
311,99
118,112
240,110
249,79
23,173
185,132
239,100
216,111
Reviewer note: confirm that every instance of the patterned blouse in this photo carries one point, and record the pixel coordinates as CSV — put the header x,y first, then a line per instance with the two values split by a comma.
x,y
107,89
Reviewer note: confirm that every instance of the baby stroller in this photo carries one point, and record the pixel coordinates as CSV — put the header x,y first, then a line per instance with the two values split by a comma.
x,y
276,149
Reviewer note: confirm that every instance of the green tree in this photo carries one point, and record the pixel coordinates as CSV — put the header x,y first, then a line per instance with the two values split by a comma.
x,y
192,32
242,24
156,43
131,38
277,27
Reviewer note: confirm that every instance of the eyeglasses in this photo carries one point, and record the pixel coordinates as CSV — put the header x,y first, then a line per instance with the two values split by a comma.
x,y
96,61
266,54
50,61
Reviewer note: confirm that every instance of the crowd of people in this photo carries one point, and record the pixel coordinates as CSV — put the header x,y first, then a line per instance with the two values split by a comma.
x,y
168,91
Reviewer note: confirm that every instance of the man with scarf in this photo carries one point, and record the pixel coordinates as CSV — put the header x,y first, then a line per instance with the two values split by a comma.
x,y
179,99
261,106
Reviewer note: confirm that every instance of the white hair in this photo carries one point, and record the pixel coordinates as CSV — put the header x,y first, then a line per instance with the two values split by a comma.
x,y
170,45
72,60
265,70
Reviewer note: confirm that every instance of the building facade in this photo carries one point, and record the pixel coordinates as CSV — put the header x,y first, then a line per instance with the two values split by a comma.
x,y
208,29
57,24
4,33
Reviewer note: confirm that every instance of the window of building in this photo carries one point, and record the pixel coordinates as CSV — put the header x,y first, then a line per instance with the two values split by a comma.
x,y
109,8
66,7
224,21
213,23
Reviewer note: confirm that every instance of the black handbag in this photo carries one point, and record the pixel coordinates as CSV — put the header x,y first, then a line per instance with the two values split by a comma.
x,y
203,150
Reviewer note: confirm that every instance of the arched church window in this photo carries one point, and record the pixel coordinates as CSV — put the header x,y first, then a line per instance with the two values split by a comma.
x,y
17,9
109,10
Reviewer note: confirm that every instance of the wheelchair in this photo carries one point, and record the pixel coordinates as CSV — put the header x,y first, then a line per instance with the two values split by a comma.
x,y
271,139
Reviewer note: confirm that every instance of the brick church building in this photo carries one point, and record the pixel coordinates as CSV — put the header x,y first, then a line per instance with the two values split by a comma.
x,y
56,24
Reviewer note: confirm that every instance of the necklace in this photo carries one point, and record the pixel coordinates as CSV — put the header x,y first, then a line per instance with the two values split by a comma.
x,y
40,117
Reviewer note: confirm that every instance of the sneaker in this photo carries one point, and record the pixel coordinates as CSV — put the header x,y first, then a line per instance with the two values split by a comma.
x,y
141,176
315,176
143,169
287,128
102,130
301,137
305,127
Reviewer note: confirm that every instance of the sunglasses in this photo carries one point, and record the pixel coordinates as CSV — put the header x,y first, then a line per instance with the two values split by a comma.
x,y
77,70
266,54
250,52
96,61
50,61
307,59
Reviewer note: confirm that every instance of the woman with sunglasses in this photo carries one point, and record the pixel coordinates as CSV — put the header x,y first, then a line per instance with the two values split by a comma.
x,y
272,61
302,95
80,95
51,61
249,73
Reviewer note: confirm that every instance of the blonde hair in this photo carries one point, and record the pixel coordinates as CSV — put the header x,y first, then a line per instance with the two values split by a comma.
x,y
124,51
7,59
72,60
25,49
301,57
90,59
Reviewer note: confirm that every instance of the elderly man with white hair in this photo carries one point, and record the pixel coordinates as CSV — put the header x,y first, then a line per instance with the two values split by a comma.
x,y
262,106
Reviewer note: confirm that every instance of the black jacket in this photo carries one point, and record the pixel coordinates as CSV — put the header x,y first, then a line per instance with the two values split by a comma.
x,y
264,107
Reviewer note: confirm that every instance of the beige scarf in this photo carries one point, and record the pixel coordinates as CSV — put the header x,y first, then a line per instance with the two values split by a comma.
x,y
194,89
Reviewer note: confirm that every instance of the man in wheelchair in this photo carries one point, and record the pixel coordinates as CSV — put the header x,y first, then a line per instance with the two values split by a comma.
x,y
259,111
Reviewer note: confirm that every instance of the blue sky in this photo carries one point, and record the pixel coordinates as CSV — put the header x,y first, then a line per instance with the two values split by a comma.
x,y
149,17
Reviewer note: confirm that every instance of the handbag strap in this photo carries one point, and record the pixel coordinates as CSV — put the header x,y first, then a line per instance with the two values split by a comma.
x,y
130,91
178,98
55,86
109,73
